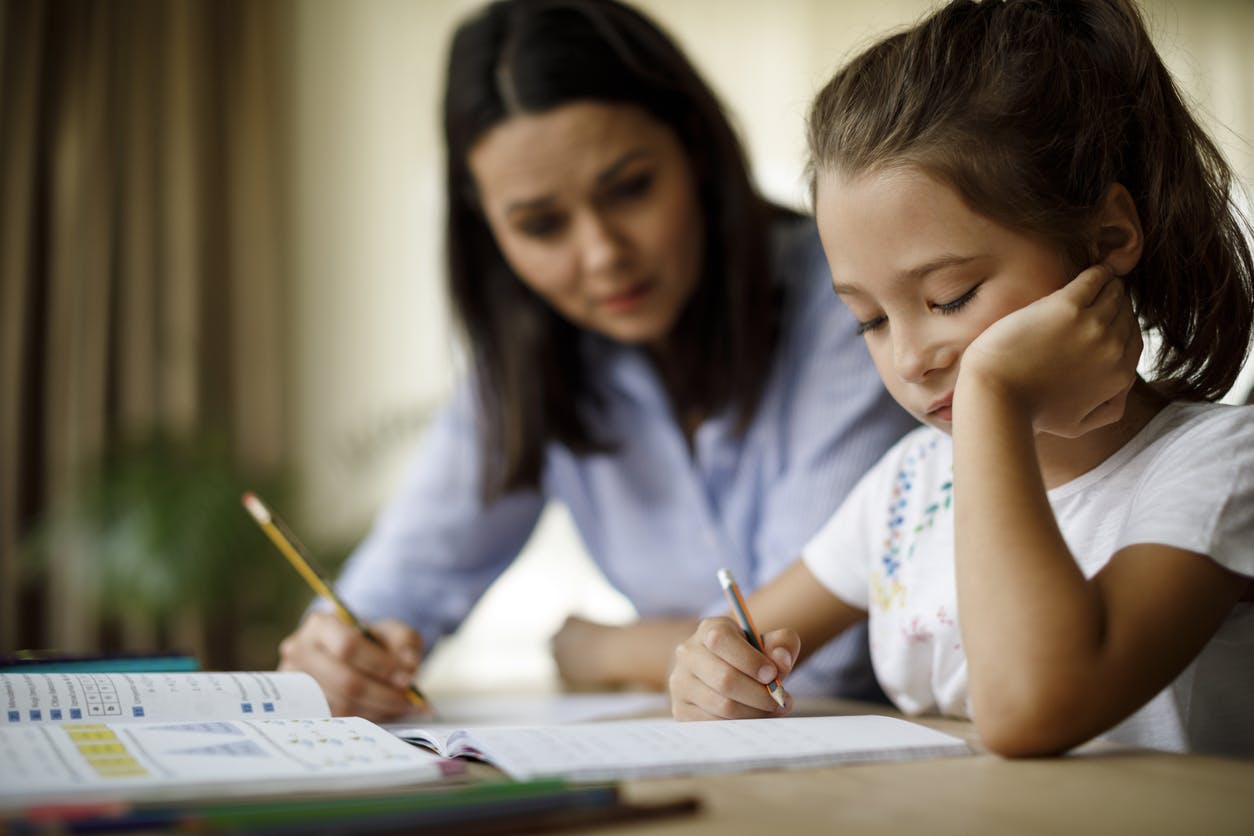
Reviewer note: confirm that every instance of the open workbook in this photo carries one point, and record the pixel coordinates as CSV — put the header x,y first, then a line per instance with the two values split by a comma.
x,y
177,736
647,748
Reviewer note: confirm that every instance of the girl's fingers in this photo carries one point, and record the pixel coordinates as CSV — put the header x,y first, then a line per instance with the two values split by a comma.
x,y
714,704
717,674
723,638
1089,286
782,646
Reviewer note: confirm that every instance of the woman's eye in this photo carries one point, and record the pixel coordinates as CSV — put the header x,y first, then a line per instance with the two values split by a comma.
x,y
540,226
632,187
871,325
956,304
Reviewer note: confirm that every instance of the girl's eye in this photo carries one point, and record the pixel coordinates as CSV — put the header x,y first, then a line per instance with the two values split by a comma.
x,y
633,187
871,325
540,226
956,304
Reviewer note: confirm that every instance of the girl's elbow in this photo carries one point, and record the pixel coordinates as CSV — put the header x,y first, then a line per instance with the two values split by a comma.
x,y
1028,727
1017,740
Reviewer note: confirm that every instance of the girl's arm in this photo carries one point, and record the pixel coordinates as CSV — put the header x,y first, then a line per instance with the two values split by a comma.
x,y
716,674
1056,658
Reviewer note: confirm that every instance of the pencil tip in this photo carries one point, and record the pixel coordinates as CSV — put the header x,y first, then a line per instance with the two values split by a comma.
x,y
778,694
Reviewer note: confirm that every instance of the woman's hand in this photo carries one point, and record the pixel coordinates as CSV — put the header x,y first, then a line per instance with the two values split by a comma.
x,y
1068,360
357,676
595,656
579,649
717,675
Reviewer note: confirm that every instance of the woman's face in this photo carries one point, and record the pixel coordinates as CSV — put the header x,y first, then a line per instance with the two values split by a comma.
x,y
595,208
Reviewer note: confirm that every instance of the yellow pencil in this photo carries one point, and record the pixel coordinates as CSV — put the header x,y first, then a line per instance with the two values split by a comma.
x,y
290,547
775,688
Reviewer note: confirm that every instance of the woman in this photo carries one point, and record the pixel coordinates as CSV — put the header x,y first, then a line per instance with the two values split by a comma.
x,y
654,345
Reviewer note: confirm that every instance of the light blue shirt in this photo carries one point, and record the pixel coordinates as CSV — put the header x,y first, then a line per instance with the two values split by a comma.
x,y
658,518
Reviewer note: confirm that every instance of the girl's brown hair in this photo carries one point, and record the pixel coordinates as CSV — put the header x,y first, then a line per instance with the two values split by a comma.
x,y
1031,109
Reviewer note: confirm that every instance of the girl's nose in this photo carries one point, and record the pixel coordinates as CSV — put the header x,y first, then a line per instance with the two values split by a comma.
x,y
914,357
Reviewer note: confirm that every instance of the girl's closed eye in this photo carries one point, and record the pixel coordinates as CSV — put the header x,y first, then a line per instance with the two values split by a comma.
x,y
955,305
873,324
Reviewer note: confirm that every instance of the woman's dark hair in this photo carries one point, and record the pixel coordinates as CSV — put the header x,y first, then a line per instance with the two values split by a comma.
x,y
1031,109
530,56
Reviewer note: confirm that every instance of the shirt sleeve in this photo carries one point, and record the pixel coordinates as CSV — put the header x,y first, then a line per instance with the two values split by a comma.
x,y
839,555
436,546
836,418
1199,493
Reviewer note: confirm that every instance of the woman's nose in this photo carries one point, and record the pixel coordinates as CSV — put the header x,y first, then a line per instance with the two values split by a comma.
x,y
601,245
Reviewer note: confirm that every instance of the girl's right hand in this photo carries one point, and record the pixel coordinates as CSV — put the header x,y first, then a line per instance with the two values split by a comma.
x,y
717,675
1068,359
357,676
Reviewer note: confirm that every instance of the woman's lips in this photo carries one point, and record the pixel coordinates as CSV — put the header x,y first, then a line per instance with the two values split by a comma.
x,y
627,300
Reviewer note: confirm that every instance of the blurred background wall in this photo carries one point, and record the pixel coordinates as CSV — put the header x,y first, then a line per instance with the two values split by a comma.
x,y
221,232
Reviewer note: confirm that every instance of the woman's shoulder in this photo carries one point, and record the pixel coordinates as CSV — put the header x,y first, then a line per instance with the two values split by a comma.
x,y
812,315
797,258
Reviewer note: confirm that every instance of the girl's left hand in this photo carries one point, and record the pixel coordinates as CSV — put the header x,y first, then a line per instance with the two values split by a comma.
x,y
1068,360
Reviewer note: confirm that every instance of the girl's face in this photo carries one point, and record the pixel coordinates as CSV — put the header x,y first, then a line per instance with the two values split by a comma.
x,y
595,208
925,275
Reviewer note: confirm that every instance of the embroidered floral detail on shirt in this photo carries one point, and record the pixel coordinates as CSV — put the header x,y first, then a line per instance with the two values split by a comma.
x,y
917,630
944,503
887,590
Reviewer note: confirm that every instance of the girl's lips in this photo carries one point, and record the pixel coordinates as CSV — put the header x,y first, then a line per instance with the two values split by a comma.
x,y
943,408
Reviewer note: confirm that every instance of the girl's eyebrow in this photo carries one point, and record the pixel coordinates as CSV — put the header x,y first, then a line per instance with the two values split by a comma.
x,y
918,273
607,174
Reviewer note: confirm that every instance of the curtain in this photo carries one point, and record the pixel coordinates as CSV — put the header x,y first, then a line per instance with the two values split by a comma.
x,y
141,261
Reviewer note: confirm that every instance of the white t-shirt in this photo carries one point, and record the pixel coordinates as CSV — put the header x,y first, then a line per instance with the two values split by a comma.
x,y
1186,480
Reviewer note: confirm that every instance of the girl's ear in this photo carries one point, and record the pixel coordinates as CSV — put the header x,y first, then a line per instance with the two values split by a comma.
x,y
1117,238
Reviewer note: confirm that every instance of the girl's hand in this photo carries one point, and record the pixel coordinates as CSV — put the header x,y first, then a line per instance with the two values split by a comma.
x,y
1068,360
357,676
717,675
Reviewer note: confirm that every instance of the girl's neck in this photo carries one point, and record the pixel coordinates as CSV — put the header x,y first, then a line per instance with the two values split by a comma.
x,y
1064,459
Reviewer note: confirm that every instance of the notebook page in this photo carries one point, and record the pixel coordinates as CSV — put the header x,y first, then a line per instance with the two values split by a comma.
x,y
654,748
42,698
201,759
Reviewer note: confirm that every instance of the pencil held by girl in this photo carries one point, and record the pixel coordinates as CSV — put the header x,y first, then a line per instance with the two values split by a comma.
x,y
1008,195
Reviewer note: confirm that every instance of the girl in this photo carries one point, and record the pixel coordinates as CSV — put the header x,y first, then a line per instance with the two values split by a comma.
x,y
1066,549
654,345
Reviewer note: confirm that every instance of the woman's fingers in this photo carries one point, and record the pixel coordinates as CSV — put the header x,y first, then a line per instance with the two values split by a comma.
x,y
358,676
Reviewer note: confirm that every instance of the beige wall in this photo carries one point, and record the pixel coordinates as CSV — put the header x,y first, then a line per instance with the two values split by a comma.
x,y
371,330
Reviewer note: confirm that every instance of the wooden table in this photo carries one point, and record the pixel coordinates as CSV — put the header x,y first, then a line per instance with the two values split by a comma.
x,y
1100,788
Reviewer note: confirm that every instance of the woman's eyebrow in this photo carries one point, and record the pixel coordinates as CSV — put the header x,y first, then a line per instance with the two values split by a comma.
x,y
607,174
613,169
